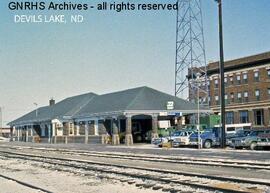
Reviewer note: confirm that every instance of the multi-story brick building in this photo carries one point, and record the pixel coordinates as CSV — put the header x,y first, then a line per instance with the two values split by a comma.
x,y
247,90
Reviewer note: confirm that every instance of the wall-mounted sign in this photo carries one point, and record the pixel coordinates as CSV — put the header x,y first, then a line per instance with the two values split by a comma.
x,y
177,114
171,113
164,124
163,114
170,105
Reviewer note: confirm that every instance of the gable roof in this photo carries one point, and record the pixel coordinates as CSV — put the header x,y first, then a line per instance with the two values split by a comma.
x,y
141,98
85,105
42,113
61,110
66,108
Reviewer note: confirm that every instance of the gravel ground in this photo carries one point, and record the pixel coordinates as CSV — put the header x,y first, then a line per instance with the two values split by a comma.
x,y
58,181
261,175
9,186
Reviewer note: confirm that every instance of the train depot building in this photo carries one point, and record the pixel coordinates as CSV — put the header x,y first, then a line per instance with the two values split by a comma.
x,y
128,116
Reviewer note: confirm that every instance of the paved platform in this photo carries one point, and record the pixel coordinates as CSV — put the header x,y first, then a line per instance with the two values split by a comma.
x,y
151,149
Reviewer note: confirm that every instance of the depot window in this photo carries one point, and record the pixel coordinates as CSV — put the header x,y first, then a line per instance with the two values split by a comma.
x,y
238,79
243,116
232,97
269,92
268,73
246,96
226,81
226,99
239,97
257,94
216,83
231,80
258,117
245,78
256,76
217,100
229,117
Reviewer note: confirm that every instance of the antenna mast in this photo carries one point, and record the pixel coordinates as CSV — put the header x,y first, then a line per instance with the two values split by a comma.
x,y
190,61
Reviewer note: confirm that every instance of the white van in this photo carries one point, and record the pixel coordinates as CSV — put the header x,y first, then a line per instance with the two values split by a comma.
x,y
233,128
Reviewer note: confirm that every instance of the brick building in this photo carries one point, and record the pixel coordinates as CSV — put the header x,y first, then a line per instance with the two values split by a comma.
x,y
247,90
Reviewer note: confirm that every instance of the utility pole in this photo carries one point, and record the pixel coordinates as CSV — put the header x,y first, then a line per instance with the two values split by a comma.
x,y
198,108
1,121
222,88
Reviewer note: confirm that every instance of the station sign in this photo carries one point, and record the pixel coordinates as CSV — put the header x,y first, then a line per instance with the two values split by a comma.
x,y
170,105
164,124
171,113
177,114
163,114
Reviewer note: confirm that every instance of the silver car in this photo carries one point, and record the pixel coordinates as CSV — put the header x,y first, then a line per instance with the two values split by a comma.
x,y
182,139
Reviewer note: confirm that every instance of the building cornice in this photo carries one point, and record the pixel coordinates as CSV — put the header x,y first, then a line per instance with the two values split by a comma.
x,y
260,105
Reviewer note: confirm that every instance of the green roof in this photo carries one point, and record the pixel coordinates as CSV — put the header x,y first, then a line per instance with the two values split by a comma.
x,y
70,106
42,113
64,109
90,104
142,98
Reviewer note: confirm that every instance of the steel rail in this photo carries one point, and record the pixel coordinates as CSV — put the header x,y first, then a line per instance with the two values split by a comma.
x,y
91,167
179,161
203,162
25,184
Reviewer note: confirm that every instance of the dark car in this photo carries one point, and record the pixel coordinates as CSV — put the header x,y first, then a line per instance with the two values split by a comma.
x,y
233,136
208,137
251,140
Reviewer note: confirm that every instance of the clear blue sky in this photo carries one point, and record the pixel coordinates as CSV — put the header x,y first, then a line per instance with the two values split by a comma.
x,y
112,51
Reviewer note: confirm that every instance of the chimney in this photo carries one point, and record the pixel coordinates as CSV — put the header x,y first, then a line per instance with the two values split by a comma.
x,y
52,102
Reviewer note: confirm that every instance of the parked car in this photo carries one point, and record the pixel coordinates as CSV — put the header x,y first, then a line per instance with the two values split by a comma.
x,y
4,139
234,128
156,141
182,139
252,140
208,137
264,140
238,134
159,141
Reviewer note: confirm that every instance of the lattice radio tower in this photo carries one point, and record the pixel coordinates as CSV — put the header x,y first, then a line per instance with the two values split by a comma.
x,y
190,64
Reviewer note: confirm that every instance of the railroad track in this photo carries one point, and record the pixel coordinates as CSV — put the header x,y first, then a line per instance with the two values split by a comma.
x,y
217,163
154,158
25,184
174,178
